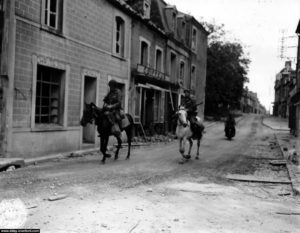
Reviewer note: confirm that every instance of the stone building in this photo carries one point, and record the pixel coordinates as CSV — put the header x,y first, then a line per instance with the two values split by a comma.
x,y
284,86
168,56
250,103
294,119
58,54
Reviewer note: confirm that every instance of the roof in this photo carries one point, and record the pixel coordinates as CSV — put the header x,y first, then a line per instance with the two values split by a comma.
x,y
298,28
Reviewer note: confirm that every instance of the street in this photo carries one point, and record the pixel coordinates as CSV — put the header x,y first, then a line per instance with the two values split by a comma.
x,y
151,192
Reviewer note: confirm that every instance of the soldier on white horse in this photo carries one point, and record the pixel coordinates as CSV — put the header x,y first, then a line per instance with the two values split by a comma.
x,y
189,126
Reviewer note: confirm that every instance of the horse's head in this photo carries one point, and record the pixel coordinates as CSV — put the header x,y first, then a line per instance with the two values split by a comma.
x,y
182,116
88,114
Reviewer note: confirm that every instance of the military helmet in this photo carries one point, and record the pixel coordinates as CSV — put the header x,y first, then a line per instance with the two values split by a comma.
x,y
112,82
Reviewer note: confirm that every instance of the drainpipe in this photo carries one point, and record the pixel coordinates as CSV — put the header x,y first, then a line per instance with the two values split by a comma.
x,y
129,69
10,29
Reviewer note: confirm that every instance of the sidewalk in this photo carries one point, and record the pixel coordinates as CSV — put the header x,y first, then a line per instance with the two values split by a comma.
x,y
276,123
287,144
21,162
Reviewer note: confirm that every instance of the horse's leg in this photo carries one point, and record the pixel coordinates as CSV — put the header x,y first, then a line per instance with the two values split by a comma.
x,y
118,137
129,137
181,147
198,146
182,142
103,146
190,148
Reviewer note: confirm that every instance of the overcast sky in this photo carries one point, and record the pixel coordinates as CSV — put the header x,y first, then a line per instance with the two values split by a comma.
x,y
258,24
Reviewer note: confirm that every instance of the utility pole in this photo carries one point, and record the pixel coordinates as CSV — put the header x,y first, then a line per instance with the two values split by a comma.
x,y
287,49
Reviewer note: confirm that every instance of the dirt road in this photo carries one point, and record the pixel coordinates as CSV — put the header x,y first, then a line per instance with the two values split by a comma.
x,y
153,193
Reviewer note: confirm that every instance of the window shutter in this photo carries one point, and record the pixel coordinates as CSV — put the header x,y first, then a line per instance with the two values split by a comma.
x,y
137,104
162,107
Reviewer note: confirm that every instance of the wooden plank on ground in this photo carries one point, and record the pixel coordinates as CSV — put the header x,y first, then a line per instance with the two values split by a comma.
x,y
251,178
278,162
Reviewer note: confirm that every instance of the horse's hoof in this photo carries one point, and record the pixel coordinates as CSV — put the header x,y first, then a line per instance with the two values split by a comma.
x,y
102,162
197,158
108,155
187,156
116,158
127,158
182,161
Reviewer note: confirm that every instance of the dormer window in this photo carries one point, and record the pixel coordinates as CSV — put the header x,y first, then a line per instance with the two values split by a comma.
x,y
146,10
174,21
183,30
194,39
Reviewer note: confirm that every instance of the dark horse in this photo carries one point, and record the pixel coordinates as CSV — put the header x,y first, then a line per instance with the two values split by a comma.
x,y
93,113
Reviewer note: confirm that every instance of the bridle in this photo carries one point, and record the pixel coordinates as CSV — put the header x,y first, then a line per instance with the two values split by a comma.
x,y
180,121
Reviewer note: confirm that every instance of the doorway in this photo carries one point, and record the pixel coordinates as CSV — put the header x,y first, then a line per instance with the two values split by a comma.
x,y
89,95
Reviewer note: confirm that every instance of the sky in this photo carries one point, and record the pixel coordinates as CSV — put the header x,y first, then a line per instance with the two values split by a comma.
x,y
259,25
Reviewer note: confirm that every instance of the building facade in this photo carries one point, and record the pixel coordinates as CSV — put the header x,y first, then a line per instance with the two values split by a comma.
x,y
57,55
294,120
168,56
284,87
250,103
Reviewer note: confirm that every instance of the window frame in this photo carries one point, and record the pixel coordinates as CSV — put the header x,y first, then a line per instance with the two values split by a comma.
x,y
143,40
58,29
173,71
146,9
158,48
181,71
65,69
122,44
194,42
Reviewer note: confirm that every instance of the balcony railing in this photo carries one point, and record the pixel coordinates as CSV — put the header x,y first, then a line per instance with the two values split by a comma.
x,y
150,72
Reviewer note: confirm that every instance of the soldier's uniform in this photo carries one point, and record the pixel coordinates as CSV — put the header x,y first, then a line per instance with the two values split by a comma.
x,y
189,102
112,107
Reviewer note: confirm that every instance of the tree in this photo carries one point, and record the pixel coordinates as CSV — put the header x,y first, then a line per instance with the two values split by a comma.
x,y
227,68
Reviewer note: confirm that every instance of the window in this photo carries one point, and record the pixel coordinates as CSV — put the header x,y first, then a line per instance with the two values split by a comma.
x,y
181,72
158,60
119,36
194,39
146,10
173,67
52,14
193,77
174,21
183,30
49,96
144,54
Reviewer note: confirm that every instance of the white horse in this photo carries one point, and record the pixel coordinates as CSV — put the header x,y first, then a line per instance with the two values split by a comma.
x,y
184,133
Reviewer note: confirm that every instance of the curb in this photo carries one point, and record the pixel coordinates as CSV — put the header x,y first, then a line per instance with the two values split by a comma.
x,y
286,130
78,153
291,174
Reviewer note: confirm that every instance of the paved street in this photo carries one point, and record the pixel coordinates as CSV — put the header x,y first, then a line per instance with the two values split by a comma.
x,y
153,193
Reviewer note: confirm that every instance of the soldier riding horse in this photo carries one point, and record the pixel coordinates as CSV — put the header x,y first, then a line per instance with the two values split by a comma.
x,y
189,125
109,120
